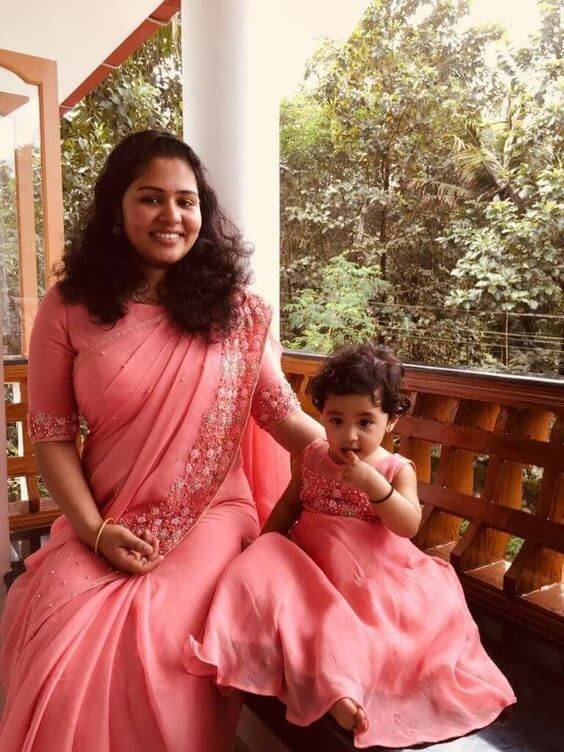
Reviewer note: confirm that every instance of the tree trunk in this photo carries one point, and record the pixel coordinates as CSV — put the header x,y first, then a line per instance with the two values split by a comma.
x,y
359,233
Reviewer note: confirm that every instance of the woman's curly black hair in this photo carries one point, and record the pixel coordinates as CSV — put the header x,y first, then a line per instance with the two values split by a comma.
x,y
365,369
200,292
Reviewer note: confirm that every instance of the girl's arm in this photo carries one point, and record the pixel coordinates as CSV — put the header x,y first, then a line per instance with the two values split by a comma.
x,y
288,508
401,511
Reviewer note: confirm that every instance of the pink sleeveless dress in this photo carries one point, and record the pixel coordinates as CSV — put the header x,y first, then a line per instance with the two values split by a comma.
x,y
349,609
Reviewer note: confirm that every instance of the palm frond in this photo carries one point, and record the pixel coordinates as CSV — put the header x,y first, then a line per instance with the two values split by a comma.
x,y
439,189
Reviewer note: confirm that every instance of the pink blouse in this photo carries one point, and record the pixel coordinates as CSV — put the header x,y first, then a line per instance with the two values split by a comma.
x,y
64,333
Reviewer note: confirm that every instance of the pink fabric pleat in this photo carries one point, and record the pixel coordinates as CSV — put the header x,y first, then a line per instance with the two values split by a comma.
x,y
92,659
267,468
104,671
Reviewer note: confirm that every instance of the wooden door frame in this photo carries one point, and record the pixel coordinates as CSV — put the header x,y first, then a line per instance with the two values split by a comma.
x,y
42,73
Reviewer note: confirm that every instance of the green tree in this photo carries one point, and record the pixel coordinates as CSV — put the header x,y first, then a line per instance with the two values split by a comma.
x,y
337,309
9,261
400,133
509,237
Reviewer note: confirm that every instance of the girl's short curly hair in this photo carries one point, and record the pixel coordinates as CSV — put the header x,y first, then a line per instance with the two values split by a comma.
x,y
364,369
201,292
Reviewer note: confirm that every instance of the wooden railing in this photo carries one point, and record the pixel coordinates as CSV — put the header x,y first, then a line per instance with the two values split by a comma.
x,y
31,510
489,452
490,461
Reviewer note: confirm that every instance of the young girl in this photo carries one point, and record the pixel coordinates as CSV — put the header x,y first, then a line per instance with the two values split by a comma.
x,y
349,617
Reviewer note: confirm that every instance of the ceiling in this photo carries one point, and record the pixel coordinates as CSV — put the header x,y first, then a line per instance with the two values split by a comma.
x,y
78,34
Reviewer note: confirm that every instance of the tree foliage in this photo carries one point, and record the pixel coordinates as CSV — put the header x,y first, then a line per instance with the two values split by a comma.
x,y
407,151
337,309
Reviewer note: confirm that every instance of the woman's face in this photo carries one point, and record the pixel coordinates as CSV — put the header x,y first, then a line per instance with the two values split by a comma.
x,y
161,213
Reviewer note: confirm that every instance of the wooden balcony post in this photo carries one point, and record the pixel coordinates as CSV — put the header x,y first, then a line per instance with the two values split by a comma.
x,y
504,485
536,567
4,520
437,528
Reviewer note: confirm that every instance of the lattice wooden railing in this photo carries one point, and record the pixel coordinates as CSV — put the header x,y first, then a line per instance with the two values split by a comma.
x,y
489,452
478,441
29,509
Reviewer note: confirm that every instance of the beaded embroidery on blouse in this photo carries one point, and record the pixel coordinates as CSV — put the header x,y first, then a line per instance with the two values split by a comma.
x,y
213,452
43,425
328,496
274,403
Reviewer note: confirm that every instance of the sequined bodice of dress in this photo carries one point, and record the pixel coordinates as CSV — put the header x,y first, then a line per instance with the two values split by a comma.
x,y
323,491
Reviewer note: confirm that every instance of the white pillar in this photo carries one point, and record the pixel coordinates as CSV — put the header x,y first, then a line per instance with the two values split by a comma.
x,y
231,110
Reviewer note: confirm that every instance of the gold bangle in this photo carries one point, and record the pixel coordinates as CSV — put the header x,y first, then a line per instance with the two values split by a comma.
x,y
102,526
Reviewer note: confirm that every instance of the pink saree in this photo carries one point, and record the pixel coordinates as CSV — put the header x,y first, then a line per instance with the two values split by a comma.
x,y
91,658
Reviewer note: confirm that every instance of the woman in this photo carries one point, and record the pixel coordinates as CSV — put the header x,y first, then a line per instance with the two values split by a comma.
x,y
151,336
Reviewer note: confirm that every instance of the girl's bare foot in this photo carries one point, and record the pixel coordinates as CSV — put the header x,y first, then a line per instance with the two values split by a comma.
x,y
349,715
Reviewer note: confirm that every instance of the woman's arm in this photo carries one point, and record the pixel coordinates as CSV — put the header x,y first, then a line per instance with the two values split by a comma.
x,y
276,407
296,432
61,471
288,508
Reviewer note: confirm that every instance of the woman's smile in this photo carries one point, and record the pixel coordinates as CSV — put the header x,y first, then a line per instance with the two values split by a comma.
x,y
165,237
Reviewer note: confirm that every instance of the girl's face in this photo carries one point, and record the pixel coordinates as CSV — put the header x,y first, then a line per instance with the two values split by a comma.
x,y
161,213
354,423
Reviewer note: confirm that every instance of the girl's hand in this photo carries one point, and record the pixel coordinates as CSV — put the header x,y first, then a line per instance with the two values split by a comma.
x,y
358,473
127,552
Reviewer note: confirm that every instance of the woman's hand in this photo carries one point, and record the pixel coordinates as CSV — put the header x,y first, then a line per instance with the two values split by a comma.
x,y
127,552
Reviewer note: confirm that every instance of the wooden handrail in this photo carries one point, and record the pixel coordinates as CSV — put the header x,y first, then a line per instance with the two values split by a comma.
x,y
36,511
516,422
457,415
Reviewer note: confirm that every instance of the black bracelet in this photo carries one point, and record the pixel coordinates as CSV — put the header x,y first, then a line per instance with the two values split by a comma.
x,y
386,497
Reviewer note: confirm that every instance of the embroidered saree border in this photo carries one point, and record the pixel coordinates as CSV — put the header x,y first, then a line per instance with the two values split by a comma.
x,y
214,450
